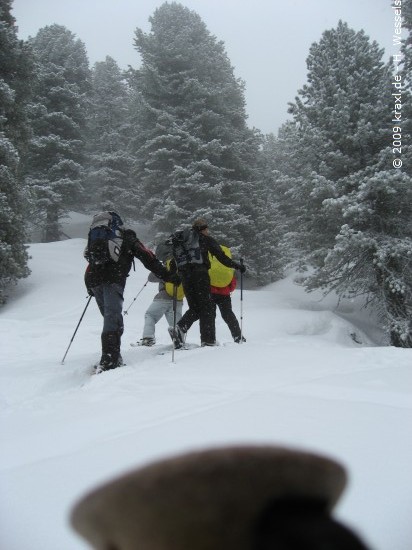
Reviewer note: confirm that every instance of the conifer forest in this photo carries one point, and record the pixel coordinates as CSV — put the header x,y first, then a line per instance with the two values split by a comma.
x,y
168,142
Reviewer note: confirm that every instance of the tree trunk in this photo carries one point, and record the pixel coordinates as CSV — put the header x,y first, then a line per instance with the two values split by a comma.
x,y
52,229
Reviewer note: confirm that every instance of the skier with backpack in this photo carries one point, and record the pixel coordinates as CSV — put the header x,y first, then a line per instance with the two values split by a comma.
x,y
165,302
110,251
191,248
222,284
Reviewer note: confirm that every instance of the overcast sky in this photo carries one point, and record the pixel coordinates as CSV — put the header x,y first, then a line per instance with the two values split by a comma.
x,y
267,41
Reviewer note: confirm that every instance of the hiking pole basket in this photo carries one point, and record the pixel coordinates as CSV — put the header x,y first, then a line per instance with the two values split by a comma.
x,y
135,298
78,324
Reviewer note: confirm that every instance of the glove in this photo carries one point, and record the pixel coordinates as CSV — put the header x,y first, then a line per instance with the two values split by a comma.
x,y
174,278
241,267
90,292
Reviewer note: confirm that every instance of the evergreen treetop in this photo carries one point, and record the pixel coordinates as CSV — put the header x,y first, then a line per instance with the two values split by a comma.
x,y
195,155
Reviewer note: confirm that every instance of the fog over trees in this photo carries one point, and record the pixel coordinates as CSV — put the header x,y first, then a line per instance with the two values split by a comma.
x,y
168,141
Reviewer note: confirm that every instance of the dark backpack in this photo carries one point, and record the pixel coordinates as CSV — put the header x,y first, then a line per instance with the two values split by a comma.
x,y
186,247
105,238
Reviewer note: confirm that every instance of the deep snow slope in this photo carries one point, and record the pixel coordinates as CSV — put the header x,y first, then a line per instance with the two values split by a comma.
x,y
310,376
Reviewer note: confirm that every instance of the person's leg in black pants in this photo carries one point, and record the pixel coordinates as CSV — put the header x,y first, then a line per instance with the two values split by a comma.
x,y
224,303
196,285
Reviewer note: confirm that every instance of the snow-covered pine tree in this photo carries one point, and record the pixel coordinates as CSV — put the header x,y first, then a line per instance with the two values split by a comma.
x,y
15,86
406,75
56,158
372,254
196,156
352,206
407,42
270,221
285,177
108,183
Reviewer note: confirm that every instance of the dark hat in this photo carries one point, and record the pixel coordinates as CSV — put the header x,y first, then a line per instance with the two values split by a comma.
x,y
207,500
200,224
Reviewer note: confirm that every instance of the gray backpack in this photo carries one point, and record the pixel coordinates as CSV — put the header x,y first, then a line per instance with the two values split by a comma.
x,y
186,247
105,238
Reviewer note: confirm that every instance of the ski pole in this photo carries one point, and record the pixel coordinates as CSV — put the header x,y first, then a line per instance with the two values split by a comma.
x,y
78,324
135,298
241,302
174,319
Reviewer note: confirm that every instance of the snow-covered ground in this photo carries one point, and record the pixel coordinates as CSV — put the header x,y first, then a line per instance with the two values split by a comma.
x,y
301,380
